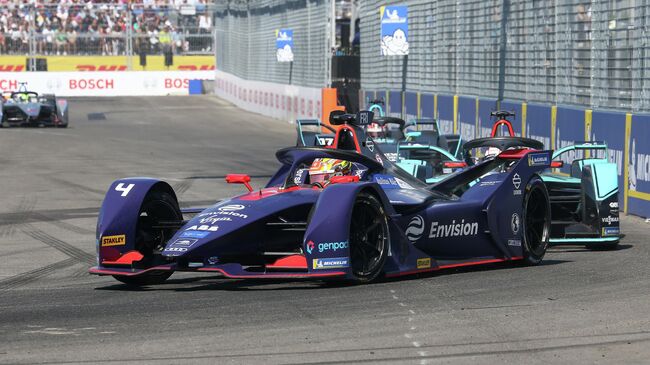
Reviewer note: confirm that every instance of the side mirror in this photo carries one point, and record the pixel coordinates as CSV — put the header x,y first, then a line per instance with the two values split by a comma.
x,y
557,164
239,179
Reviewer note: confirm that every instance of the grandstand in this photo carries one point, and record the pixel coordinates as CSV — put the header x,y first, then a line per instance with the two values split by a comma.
x,y
118,27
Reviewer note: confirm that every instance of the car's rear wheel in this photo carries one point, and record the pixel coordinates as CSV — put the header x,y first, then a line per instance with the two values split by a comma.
x,y
369,238
157,206
537,222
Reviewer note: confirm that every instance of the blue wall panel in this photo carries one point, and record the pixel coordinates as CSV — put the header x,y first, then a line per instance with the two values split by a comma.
x,y
411,104
485,107
609,127
538,123
426,106
395,104
445,114
569,129
467,118
639,166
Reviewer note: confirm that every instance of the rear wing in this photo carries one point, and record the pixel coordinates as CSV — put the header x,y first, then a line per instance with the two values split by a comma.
x,y
582,146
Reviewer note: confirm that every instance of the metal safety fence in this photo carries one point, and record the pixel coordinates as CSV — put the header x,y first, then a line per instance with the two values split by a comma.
x,y
109,29
246,40
588,53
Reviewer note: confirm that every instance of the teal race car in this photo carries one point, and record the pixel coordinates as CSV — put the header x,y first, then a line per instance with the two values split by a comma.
x,y
584,201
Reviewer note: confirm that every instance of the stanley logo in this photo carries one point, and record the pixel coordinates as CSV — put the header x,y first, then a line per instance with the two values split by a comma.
x,y
119,240
424,263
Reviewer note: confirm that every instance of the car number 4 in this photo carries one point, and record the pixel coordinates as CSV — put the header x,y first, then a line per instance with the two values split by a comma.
x,y
125,189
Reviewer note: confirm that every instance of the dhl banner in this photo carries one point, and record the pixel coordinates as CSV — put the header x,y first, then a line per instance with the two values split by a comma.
x,y
110,63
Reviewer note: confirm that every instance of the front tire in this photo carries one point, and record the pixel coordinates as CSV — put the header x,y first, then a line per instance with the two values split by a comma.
x,y
369,238
158,205
537,222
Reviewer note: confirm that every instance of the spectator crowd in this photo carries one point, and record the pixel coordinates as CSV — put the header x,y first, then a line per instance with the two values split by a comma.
x,y
92,27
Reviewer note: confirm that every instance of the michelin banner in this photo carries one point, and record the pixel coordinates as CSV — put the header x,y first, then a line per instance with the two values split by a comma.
x,y
394,30
284,45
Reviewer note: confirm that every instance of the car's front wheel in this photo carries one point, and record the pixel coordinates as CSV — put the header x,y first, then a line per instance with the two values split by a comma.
x,y
537,221
369,238
157,206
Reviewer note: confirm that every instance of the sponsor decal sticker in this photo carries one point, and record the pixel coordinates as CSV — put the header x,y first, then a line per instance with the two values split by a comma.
x,y
203,227
424,263
415,229
176,249
611,231
213,220
187,242
378,158
538,159
331,263
118,240
370,144
515,243
194,234
454,229
610,219
231,207
516,182
613,205
332,246
515,223
488,183
310,247
212,260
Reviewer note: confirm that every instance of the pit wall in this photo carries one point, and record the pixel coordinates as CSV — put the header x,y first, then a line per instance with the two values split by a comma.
x,y
127,83
627,135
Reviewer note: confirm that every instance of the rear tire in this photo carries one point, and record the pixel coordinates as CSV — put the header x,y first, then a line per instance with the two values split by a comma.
x,y
369,238
158,205
537,222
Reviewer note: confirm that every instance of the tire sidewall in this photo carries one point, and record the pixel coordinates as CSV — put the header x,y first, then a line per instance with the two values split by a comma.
x,y
374,201
530,256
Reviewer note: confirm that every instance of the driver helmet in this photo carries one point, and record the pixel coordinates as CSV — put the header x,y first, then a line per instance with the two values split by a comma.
x,y
322,170
375,131
24,97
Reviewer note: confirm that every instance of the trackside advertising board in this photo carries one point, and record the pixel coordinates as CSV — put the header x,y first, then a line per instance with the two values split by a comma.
x,y
639,166
466,118
281,101
284,45
394,30
110,63
129,83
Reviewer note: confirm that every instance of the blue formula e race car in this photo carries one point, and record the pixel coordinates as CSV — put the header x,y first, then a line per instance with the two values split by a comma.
x,y
342,212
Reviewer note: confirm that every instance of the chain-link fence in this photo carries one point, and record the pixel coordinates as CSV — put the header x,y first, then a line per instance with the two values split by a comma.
x,y
246,35
112,28
591,53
